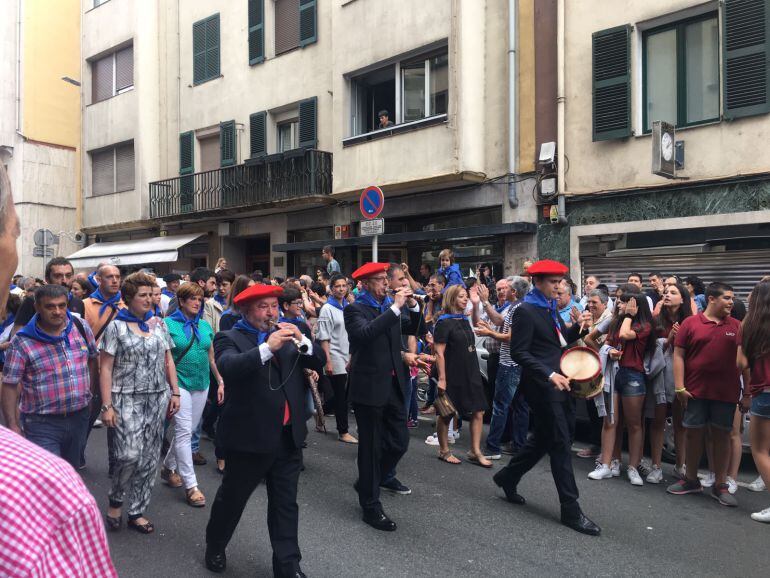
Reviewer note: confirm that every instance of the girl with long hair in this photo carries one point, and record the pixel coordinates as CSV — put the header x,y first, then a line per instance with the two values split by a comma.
x,y
754,355
629,336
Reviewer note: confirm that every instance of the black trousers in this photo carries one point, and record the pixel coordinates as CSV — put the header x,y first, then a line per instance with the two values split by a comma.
x,y
553,434
383,439
243,472
339,385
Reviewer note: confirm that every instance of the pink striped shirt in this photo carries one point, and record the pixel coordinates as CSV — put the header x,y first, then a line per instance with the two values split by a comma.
x,y
49,522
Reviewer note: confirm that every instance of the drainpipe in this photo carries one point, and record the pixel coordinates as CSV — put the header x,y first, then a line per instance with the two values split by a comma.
x,y
513,128
560,106
19,50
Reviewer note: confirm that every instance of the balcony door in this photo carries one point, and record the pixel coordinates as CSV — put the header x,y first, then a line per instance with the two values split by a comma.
x,y
209,195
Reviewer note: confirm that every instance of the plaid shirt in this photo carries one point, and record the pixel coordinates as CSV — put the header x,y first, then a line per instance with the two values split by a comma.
x,y
50,523
54,377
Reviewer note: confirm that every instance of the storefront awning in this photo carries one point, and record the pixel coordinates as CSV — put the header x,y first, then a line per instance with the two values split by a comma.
x,y
435,235
133,252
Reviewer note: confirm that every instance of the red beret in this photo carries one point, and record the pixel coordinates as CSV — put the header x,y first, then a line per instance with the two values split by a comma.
x,y
547,267
257,292
370,269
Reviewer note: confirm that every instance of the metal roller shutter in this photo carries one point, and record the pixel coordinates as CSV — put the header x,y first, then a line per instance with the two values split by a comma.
x,y
124,70
103,172
102,78
286,25
741,269
124,168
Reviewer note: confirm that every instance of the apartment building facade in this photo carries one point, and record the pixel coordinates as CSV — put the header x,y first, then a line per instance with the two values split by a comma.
x,y
248,130
703,68
40,123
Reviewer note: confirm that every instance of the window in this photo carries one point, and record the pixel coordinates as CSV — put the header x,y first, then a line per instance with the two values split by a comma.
x,y
112,74
288,135
410,90
112,169
206,49
681,72
295,24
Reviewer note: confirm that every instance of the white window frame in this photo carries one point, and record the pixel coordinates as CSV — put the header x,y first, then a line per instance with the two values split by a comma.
x,y
293,123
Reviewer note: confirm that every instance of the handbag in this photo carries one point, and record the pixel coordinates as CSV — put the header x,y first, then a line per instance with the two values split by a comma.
x,y
444,406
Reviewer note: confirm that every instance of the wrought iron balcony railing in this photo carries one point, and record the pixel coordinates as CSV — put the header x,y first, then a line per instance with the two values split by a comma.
x,y
259,182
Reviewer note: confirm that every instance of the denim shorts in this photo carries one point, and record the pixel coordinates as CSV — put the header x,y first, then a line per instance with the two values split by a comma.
x,y
699,412
760,405
630,383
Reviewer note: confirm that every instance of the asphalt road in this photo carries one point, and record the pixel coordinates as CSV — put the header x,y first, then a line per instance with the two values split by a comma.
x,y
455,523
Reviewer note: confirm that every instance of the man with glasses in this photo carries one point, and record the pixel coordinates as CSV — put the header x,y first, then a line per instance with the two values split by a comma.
x,y
378,384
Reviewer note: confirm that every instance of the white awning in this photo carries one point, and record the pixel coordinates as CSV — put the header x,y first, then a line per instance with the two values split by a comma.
x,y
134,252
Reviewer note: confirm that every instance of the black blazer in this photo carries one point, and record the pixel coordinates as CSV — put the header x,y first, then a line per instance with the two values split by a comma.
x,y
252,415
535,347
375,352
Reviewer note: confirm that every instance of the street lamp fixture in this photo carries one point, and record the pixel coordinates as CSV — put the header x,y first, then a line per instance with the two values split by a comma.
x,y
71,80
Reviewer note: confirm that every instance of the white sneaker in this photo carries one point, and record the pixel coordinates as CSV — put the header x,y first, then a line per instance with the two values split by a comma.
x,y
681,473
763,516
634,477
432,440
454,434
615,467
602,472
757,485
655,476
732,485
707,480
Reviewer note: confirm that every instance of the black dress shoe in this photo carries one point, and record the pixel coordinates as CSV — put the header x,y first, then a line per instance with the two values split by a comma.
x,y
581,523
216,561
510,493
379,521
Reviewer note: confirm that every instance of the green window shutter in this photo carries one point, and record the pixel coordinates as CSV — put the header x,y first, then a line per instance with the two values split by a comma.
x,y
186,156
746,57
612,83
227,143
308,135
212,47
199,52
258,134
307,22
256,31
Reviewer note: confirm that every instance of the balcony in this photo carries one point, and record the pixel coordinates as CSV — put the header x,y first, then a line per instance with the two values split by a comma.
x,y
265,182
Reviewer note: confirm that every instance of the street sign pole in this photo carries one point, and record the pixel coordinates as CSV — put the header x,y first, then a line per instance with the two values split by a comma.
x,y
371,203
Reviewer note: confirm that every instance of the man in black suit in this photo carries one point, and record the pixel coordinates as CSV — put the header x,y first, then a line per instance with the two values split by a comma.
x,y
262,426
538,339
378,383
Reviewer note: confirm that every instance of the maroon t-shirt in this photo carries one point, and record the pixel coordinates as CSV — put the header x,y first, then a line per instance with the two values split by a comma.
x,y
760,372
710,350
633,351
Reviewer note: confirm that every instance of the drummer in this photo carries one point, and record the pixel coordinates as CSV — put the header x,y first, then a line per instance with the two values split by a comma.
x,y
538,338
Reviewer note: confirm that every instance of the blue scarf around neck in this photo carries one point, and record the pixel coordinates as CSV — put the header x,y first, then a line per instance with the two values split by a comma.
x,y
32,331
500,308
111,302
127,316
189,324
246,327
167,293
219,299
535,297
366,298
450,316
341,305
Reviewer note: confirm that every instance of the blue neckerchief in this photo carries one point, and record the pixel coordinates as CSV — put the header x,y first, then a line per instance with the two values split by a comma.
x,y
341,305
227,311
92,280
111,302
293,320
450,316
219,299
8,321
167,293
32,331
243,325
500,308
126,315
13,287
536,298
156,311
190,326
365,298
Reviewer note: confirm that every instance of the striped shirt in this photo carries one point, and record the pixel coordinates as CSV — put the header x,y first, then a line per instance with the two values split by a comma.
x,y
505,347
54,377
50,523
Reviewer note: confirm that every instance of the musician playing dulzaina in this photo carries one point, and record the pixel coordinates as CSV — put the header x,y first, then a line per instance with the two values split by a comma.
x,y
538,339
262,425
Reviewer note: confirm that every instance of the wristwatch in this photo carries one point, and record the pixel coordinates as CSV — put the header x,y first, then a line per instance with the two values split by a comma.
x,y
485,303
105,408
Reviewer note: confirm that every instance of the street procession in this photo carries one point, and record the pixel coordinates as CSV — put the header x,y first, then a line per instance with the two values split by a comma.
x,y
358,288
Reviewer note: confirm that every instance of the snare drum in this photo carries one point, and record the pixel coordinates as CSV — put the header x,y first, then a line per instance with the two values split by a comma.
x,y
584,369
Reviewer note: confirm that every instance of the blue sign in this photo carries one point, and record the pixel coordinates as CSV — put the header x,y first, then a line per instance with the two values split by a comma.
x,y
371,202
